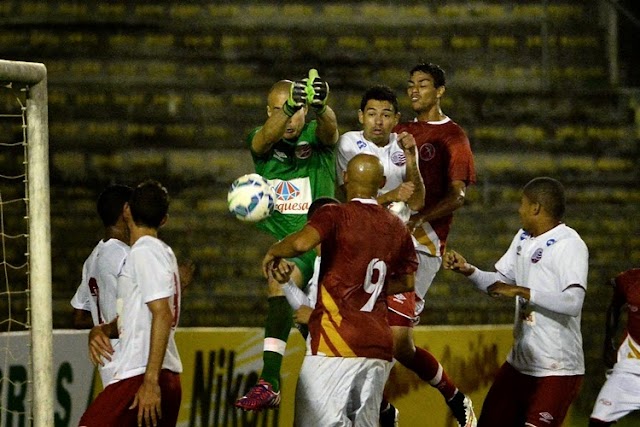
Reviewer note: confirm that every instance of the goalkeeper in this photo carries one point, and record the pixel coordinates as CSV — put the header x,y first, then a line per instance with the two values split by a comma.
x,y
298,158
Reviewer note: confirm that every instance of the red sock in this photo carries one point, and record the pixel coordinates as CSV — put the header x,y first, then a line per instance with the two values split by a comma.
x,y
429,369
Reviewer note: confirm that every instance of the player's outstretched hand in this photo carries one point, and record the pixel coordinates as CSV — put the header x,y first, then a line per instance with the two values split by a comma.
x,y
99,345
317,91
501,289
282,271
297,98
452,260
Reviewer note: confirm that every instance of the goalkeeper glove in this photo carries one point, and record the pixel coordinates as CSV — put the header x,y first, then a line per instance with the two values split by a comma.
x,y
317,92
297,98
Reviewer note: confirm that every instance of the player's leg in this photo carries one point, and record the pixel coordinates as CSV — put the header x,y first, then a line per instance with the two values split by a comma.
x,y
427,367
550,400
171,389
266,393
367,387
323,391
111,406
503,404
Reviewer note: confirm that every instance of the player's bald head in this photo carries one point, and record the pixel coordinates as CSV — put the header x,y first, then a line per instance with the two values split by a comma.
x,y
365,175
279,93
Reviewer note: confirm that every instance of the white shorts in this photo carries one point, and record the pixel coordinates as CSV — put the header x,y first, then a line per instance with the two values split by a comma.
x,y
619,395
340,391
428,266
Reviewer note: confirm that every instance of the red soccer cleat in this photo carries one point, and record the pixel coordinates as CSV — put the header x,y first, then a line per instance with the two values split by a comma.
x,y
260,396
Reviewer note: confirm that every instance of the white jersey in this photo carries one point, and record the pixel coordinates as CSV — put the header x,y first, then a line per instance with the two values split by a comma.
x,y
97,291
391,155
150,273
546,343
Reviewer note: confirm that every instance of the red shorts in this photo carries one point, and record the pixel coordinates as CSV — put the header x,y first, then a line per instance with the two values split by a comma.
x,y
515,399
111,407
402,309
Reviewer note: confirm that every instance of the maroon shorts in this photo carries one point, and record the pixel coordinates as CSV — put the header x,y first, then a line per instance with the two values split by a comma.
x,y
111,407
515,399
402,309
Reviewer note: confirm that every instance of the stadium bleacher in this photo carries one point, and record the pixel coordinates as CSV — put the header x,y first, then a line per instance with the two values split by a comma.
x,y
171,90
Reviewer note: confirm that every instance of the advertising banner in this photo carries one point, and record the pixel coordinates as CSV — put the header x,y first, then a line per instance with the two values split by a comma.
x,y
221,364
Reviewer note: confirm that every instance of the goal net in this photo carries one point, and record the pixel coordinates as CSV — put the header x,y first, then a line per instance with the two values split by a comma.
x,y
25,248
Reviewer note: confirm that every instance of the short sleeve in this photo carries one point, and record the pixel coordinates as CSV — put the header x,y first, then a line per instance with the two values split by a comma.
x,y
572,263
152,275
324,220
506,265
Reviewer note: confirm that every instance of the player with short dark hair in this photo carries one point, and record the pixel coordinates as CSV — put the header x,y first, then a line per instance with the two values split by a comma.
x,y
145,388
447,168
95,299
545,270
404,192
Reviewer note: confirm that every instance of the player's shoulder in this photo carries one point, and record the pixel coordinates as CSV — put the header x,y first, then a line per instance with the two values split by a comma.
x,y
350,137
152,246
114,250
628,277
563,236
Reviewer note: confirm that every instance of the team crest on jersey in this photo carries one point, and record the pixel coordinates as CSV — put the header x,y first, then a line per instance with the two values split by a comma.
x,y
427,152
303,150
398,158
605,402
286,191
537,256
551,242
361,144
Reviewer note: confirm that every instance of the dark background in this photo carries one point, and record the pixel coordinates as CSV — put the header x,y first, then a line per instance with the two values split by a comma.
x,y
170,90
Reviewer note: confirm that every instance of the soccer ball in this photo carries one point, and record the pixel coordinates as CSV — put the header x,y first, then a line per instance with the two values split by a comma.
x,y
251,198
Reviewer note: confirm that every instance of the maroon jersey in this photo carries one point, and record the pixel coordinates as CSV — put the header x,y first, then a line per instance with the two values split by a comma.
x,y
627,290
363,245
444,155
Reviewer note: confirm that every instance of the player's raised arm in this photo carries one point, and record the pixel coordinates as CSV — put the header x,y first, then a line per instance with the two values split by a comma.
x,y
318,94
286,110
291,246
408,145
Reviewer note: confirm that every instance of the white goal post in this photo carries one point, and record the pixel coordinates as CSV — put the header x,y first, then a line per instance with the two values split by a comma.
x,y
34,76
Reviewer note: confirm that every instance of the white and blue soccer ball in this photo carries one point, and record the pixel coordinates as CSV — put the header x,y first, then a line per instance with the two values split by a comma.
x,y
251,198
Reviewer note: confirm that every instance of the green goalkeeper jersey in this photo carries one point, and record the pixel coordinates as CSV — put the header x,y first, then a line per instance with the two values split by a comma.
x,y
300,171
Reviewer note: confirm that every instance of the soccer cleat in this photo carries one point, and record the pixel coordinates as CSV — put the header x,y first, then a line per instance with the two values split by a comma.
x,y
462,409
260,396
389,417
